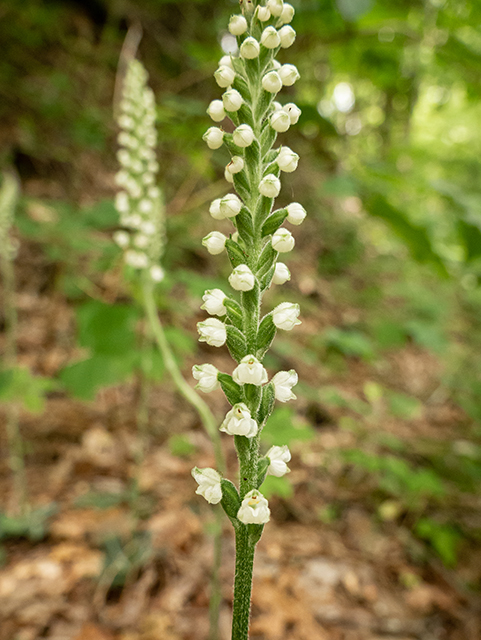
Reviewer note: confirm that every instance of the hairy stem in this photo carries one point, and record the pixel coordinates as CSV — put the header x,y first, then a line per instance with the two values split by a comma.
x,y
244,566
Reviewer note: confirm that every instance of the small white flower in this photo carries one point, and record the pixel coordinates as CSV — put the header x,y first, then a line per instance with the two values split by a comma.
x,y
224,76
250,48
242,278
154,192
296,213
288,12
214,302
214,242
275,7
126,122
278,459
276,65
214,137
289,74
228,176
280,121
122,203
272,82
238,422
216,110
270,186
235,165
277,106
209,484
270,38
283,240
254,509
237,25
141,241
212,331
287,160
232,100
293,112
206,376
281,273
145,206
123,156
122,239
214,209
157,273
250,371
136,259
226,61
229,206
121,178
287,36
148,228
243,136
283,383
285,316
263,14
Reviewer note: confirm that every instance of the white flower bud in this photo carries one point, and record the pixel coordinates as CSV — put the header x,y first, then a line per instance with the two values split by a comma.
x,y
124,158
281,273
287,160
206,376
283,240
228,176
270,186
277,106
283,383
148,228
232,100
209,487
229,206
237,25
214,242
280,121
121,178
122,203
214,302
242,278
275,7
226,61
272,82
214,209
287,36
214,137
254,509
141,241
216,110
145,206
250,371
236,164
276,65
126,122
293,112
296,213
212,331
289,74
121,239
278,459
250,48
263,14
136,259
238,422
270,38
224,76
243,136
288,12
157,273
285,316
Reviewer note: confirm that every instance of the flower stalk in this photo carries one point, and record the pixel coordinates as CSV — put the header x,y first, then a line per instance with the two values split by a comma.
x,y
251,81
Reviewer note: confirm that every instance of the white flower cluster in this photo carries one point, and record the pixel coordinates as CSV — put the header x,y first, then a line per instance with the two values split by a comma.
x,y
251,79
138,202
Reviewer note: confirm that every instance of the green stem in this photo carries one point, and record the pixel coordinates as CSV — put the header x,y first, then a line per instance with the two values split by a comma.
x,y
14,437
244,566
184,389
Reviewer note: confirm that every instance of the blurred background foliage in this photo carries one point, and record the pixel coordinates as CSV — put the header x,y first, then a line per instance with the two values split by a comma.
x,y
389,259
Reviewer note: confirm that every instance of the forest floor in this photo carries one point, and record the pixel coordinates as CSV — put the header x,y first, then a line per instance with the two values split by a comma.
x,y
103,572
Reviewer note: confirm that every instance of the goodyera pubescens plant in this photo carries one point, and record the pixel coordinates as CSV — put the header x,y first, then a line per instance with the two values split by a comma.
x,y
138,202
251,81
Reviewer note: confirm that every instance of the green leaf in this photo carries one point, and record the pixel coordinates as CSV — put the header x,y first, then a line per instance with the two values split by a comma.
x,y
232,391
267,403
265,335
283,428
414,236
83,379
231,501
234,313
280,487
19,385
235,253
236,342
107,329
444,538
349,342
273,222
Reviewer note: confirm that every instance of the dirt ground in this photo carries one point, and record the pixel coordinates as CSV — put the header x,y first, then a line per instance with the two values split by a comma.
x,y
352,577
